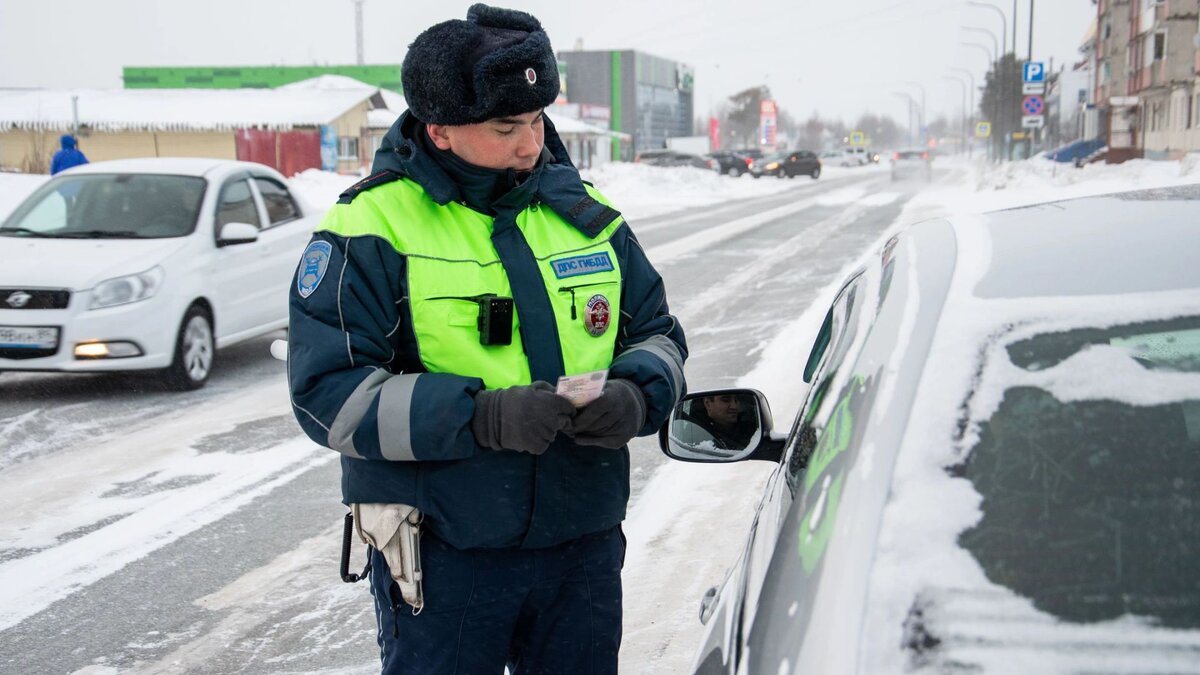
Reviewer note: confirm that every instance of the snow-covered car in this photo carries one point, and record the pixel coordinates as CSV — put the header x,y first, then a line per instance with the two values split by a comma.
x,y
914,163
997,462
147,264
674,158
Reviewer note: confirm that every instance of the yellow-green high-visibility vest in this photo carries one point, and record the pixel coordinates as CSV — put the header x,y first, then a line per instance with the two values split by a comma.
x,y
450,262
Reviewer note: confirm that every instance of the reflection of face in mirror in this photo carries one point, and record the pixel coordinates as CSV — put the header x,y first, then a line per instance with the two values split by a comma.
x,y
722,410
720,425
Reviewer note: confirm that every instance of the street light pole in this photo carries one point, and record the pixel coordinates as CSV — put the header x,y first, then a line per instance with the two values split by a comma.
x,y
962,84
921,127
911,104
971,77
1003,21
996,67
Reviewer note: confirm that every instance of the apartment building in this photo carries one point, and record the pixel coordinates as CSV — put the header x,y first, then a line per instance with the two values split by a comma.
x,y
1147,61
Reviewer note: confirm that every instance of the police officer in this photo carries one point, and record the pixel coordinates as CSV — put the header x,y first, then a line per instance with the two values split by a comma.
x,y
432,315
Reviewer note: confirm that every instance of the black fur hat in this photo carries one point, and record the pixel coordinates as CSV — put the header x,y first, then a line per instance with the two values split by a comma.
x,y
496,63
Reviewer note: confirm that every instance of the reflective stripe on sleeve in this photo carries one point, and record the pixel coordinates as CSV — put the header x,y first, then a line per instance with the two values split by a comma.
x,y
395,418
341,432
665,350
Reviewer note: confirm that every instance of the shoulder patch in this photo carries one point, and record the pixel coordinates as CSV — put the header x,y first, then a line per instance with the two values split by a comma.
x,y
372,181
313,265
591,263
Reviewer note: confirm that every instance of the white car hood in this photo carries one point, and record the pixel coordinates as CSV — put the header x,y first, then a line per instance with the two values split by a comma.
x,y
78,264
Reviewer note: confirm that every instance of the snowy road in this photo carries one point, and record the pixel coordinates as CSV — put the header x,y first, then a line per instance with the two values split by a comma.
x,y
152,532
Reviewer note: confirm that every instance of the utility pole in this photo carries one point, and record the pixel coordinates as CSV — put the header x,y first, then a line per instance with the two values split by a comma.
x,y
1030,57
1029,136
358,29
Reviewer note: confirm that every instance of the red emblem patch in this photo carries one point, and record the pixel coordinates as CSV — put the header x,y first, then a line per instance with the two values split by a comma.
x,y
531,76
597,315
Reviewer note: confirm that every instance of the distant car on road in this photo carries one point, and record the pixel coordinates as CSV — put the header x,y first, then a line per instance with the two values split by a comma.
x,y
995,469
912,163
788,164
731,163
675,158
147,264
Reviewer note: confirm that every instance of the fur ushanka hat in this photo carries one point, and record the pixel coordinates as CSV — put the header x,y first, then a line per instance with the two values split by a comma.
x,y
496,63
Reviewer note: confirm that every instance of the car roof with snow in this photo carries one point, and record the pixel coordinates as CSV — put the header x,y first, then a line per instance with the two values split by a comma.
x,y
1007,379
182,166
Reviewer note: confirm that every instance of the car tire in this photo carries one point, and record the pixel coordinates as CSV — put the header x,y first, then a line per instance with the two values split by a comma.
x,y
195,352
816,173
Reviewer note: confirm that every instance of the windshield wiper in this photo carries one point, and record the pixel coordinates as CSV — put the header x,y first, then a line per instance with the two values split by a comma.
x,y
24,230
100,234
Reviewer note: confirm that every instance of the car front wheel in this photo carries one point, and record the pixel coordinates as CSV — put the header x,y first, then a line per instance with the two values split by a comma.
x,y
194,352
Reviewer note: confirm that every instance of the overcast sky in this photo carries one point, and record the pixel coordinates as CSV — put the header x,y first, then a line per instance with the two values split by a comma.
x,y
837,58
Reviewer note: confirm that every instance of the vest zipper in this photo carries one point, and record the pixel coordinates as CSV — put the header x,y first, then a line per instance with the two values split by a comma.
x,y
571,289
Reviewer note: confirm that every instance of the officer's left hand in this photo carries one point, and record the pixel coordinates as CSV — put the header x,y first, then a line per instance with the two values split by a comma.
x,y
613,419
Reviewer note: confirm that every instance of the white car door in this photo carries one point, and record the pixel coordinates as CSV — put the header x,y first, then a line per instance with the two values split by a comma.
x,y
285,236
239,273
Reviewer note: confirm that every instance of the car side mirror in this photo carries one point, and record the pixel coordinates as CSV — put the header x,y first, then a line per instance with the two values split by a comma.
x,y
237,233
718,426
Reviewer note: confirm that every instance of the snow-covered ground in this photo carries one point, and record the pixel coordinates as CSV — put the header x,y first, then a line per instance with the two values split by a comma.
x,y
668,528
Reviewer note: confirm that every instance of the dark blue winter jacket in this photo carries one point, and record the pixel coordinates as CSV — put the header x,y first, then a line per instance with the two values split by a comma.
x,y
68,156
359,385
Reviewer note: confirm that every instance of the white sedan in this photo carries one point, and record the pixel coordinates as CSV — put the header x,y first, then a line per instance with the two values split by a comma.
x,y
147,264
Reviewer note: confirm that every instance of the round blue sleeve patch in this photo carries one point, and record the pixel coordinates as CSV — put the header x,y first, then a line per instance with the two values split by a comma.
x,y
313,265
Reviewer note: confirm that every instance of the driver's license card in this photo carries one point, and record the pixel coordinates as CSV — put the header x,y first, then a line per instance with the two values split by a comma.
x,y
582,389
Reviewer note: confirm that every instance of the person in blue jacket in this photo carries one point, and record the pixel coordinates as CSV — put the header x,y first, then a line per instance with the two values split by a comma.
x,y
66,157
431,317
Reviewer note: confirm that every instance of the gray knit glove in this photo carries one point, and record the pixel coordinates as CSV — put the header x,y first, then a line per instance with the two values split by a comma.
x,y
613,419
523,418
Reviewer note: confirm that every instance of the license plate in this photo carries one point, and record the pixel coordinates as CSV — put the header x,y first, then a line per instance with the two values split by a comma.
x,y
28,337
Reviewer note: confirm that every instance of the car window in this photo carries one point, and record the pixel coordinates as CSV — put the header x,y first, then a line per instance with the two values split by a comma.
x,y
829,352
280,205
127,206
1089,501
237,205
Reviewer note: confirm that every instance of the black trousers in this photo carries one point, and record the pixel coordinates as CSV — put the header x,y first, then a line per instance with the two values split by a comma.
x,y
547,611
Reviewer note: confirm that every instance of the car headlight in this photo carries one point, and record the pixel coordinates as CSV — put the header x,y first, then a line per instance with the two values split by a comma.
x,y
124,290
772,166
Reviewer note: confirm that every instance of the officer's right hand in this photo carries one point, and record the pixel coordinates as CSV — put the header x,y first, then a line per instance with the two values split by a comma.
x,y
523,418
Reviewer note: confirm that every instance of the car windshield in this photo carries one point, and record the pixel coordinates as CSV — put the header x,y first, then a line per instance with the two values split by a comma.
x,y
109,206
910,154
1090,491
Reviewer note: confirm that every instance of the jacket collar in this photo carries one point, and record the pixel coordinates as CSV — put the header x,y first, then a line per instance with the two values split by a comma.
x,y
555,181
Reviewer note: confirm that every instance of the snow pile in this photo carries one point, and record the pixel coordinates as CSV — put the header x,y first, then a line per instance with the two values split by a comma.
x,y
643,191
978,187
320,189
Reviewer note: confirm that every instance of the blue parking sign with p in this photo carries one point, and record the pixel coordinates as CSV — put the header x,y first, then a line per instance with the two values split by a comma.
x,y
1035,71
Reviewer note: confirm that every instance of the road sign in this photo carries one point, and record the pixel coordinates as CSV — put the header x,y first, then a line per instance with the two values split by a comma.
x,y
1033,88
983,129
1033,105
858,138
1034,71
1033,121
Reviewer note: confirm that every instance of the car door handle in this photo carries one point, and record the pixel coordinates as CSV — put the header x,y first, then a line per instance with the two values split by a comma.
x,y
707,604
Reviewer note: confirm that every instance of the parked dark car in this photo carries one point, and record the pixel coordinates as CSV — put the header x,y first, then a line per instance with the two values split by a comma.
x,y
788,164
731,163
752,153
674,158
997,462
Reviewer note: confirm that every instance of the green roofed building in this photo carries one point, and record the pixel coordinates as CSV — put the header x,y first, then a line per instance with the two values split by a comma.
x,y
386,76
